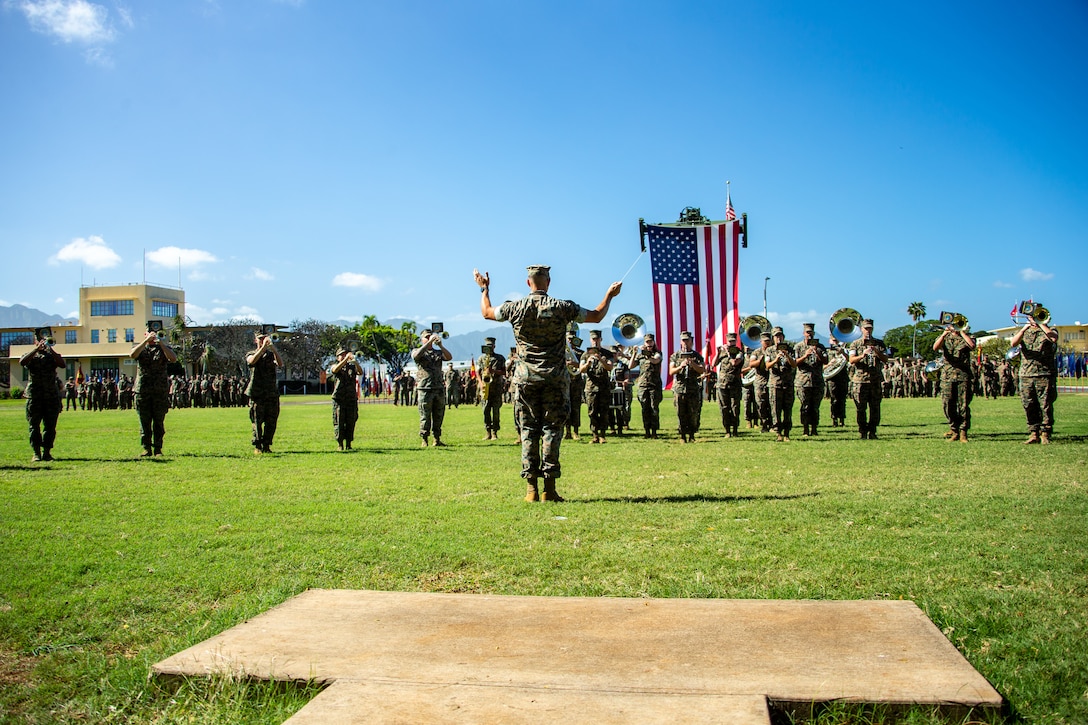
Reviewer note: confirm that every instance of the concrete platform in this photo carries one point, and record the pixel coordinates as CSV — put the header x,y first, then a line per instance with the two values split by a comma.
x,y
457,658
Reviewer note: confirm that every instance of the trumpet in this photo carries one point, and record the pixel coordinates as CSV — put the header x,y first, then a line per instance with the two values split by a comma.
x,y
1030,310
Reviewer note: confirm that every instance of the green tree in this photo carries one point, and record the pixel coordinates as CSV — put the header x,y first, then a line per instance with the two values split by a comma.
x,y
917,311
385,344
921,335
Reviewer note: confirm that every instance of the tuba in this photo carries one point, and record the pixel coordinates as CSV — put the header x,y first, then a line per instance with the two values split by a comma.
x,y
1033,310
956,320
751,328
845,325
836,361
629,329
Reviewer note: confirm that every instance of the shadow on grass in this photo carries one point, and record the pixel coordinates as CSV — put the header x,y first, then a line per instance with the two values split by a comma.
x,y
695,497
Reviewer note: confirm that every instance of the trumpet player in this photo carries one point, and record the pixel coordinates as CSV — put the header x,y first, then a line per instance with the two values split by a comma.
x,y
345,397
867,358
782,371
431,388
811,357
686,367
647,360
956,345
264,395
596,364
43,402
730,364
493,380
757,362
152,389
1038,377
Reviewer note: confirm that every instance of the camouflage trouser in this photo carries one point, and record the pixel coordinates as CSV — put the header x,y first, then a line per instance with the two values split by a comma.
x,y
1037,396
751,405
867,397
729,405
491,408
650,400
432,410
264,413
956,402
41,416
763,402
152,410
597,402
574,419
782,404
687,411
541,408
344,416
836,389
811,397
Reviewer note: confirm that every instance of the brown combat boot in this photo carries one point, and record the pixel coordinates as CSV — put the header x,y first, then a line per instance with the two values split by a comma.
x,y
951,435
531,493
1044,438
550,494
963,436
1033,438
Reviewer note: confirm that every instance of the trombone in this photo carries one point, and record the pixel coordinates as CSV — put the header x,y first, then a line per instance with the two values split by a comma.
x,y
957,321
1029,310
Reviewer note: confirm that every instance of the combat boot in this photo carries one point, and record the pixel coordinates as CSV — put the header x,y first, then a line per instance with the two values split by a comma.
x,y
1033,438
951,435
532,494
550,494
963,436
1044,438
37,454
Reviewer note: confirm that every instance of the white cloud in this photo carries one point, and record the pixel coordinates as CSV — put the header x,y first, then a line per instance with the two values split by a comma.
x,y
354,279
258,273
1033,275
791,322
91,251
1003,285
219,314
69,20
173,256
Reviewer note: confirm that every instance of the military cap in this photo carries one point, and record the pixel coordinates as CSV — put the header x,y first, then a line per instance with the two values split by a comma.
x,y
730,337
778,331
685,335
649,336
868,324
809,326
535,269
765,336
489,341
595,333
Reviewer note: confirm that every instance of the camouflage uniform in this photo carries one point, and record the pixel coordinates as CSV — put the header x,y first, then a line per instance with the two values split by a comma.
x,y
541,377
956,388
431,391
264,400
43,400
493,377
1038,380
598,389
780,379
810,383
648,385
867,382
152,390
762,392
837,389
729,388
687,393
345,404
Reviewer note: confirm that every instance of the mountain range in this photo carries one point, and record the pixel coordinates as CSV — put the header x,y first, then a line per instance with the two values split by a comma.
x,y
23,316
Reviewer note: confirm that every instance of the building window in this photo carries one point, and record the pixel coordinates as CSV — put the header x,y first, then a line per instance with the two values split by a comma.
x,y
94,337
111,335
130,334
23,337
168,310
69,337
112,308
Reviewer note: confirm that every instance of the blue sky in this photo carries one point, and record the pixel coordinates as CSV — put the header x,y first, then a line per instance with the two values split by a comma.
x,y
303,159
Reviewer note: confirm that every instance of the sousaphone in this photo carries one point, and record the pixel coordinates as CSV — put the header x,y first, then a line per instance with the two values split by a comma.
x,y
751,328
629,329
845,325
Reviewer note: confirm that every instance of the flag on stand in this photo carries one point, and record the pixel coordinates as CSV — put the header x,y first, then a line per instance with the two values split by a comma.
x,y
730,215
472,368
79,375
696,284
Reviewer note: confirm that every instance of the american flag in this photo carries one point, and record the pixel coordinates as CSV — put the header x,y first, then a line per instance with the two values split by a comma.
x,y
696,281
730,215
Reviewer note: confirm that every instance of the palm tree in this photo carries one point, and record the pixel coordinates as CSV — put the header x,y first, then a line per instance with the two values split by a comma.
x,y
917,311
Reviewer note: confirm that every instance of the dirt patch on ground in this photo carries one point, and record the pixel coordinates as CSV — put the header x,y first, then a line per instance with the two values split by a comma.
x,y
16,669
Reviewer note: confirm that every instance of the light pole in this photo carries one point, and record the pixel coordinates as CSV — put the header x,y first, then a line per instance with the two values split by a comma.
x,y
765,281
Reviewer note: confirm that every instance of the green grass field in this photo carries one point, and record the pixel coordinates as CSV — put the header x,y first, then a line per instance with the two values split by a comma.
x,y
109,564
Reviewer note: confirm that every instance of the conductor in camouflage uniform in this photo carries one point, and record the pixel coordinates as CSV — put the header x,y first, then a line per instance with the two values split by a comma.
x,y
493,380
1038,377
867,357
956,387
263,392
730,364
152,389
811,357
43,400
686,367
543,381
647,359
